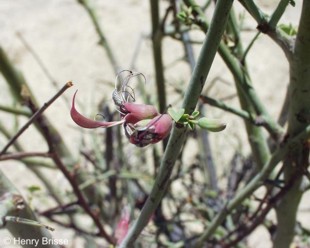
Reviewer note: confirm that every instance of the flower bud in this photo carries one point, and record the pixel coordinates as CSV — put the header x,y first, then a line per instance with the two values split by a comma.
x,y
211,125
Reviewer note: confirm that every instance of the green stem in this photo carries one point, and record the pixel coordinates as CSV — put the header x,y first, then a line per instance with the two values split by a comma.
x,y
277,14
15,111
246,51
13,204
216,103
177,137
250,102
242,80
286,43
157,53
297,159
244,84
245,91
254,184
207,162
255,12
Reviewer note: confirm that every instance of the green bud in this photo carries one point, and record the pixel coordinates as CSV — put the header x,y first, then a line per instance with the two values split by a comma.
x,y
212,125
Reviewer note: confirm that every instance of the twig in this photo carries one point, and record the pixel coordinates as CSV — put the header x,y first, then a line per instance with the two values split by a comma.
x,y
157,34
20,155
269,28
246,51
15,111
239,112
72,226
40,62
239,72
35,116
256,13
207,160
271,203
277,14
55,210
81,199
254,184
267,198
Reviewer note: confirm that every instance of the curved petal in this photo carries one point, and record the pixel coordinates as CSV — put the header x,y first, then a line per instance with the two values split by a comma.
x,y
82,121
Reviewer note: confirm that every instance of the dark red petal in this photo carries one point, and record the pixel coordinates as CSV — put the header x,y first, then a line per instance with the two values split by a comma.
x,y
163,125
82,121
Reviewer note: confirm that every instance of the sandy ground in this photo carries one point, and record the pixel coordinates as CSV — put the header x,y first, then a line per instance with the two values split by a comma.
x,y
62,35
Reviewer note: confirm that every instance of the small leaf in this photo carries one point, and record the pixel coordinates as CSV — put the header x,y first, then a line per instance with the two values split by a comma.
x,y
176,115
34,188
212,125
195,114
191,125
182,15
184,119
211,193
288,29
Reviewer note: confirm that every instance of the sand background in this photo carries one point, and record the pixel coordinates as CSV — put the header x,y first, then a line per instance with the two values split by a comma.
x,y
62,35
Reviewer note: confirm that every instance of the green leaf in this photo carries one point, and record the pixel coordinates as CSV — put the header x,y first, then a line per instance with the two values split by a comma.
x,y
195,114
34,188
182,16
191,125
212,125
176,115
288,29
211,193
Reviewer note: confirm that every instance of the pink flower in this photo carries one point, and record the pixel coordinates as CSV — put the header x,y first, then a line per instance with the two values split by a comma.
x,y
142,123
148,131
122,226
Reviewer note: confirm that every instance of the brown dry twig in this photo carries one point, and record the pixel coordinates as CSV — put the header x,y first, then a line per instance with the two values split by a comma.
x,y
36,115
20,155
